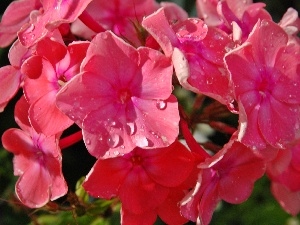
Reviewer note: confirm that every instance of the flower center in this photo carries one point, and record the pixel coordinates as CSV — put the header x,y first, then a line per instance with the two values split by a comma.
x,y
124,96
136,160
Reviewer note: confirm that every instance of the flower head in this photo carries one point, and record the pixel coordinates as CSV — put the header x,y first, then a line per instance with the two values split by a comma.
x,y
122,98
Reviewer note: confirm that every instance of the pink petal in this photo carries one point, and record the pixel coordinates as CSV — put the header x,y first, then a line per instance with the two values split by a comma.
x,y
129,218
45,83
282,131
13,138
158,26
33,72
267,39
169,211
156,120
10,83
249,132
33,187
156,75
21,114
15,15
173,158
139,193
76,102
111,133
46,118
106,177
289,201
55,13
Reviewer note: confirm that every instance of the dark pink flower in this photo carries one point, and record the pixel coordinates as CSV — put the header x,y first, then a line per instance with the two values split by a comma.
x,y
122,98
144,181
14,17
46,72
37,160
121,17
229,175
233,16
52,14
197,53
266,79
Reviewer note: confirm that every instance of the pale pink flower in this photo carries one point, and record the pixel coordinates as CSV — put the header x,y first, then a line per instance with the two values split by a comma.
x,y
37,160
266,79
122,98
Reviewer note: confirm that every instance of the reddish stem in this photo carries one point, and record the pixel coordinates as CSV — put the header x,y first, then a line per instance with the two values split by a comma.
x,y
89,21
70,140
190,140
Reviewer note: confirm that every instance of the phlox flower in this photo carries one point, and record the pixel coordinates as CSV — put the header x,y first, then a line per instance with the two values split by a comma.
x,y
146,182
122,98
233,16
11,75
52,65
229,175
265,74
197,53
290,22
284,172
52,14
37,160
121,17
14,17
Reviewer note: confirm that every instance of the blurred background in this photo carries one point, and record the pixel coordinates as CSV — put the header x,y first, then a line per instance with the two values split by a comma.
x,y
260,209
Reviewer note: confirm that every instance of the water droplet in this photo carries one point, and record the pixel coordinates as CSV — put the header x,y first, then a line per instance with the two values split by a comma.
x,y
130,128
88,141
122,146
161,104
113,140
29,29
233,107
116,153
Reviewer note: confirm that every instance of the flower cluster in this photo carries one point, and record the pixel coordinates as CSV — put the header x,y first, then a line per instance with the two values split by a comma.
x,y
113,69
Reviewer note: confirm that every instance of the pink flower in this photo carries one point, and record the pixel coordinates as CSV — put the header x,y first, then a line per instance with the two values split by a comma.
x,y
10,75
46,72
144,181
37,160
197,53
284,172
233,16
122,98
266,79
52,14
15,15
228,175
121,17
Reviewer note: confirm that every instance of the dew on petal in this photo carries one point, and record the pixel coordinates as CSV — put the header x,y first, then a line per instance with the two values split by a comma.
x,y
88,141
141,141
130,128
161,104
113,140
116,153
